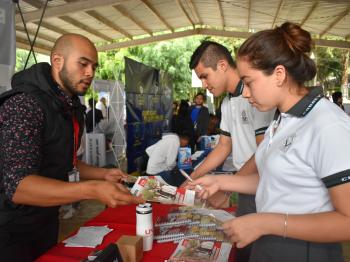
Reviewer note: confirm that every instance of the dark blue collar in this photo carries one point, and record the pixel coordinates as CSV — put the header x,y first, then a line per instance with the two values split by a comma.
x,y
305,105
238,91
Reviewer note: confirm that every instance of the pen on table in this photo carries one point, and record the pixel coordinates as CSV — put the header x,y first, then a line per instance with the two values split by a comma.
x,y
189,178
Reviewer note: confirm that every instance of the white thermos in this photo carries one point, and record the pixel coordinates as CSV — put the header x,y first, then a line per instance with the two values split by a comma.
x,y
144,225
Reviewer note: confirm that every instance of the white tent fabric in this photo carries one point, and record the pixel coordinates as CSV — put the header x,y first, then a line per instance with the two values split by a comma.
x,y
7,43
112,128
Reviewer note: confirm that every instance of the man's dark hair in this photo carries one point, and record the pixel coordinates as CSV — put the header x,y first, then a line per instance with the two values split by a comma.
x,y
184,135
209,53
201,94
336,95
92,102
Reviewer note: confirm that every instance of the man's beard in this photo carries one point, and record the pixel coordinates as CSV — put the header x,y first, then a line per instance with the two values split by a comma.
x,y
68,82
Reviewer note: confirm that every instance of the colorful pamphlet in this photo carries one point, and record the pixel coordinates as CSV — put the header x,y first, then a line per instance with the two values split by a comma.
x,y
184,158
201,250
154,188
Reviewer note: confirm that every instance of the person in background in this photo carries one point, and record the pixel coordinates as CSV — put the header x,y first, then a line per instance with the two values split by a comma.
x,y
102,105
214,125
175,108
301,180
182,123
41,124
163,155
200,116
93,114
242,126
337,98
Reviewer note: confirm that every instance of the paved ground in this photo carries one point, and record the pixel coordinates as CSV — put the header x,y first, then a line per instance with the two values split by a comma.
x,y
87,210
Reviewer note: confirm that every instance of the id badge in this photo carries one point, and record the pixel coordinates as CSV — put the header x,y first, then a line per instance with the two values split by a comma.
x,y
73,175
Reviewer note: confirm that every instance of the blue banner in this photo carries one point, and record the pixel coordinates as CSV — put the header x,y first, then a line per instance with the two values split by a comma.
x,y
148,107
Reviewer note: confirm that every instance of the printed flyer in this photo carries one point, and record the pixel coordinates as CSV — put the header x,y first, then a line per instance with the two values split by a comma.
x,y
154,188
201,250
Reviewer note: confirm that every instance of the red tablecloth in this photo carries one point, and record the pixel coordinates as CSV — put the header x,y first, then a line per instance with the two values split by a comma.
x,y
123,220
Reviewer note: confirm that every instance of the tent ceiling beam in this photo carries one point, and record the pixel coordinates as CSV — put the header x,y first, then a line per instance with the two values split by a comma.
x,y
312,9
179,4
249,14
23,43
156,14
126,22
121,10
52,28
221,14
279,8
211,32
194,11
40,35
84,27
65,9
108,23
34,3
335,21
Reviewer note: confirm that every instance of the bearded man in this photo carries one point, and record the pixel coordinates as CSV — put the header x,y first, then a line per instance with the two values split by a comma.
x,y
41,124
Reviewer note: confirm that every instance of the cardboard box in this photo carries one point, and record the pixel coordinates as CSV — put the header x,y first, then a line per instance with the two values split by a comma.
x,y
131,248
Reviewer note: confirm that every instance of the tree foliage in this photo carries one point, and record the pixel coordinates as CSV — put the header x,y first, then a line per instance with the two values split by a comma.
x,y
171,56
329,66
21,57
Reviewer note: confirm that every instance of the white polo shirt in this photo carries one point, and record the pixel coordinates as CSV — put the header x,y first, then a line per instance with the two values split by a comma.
x,y
242,122
163,154
308,153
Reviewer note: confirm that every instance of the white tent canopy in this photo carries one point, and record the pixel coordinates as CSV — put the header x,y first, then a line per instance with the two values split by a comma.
x,y
113,24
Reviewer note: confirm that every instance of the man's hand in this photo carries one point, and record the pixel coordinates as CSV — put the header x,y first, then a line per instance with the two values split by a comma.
x,y
114,175
113,194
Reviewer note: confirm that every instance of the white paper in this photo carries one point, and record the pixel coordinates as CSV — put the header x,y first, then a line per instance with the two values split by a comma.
x,y
88,237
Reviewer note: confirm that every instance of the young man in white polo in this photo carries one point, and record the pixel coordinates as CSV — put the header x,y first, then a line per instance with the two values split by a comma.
x,y
242,126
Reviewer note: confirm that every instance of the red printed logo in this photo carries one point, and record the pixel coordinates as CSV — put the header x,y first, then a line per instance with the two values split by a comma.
x,y
149,231
142,181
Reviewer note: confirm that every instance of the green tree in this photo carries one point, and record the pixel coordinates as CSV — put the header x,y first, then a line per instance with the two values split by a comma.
x,y
345,76
173,57
170,56
330,67
21,57
111,64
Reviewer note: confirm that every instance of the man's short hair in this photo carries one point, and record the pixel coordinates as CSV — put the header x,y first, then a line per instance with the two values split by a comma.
x,y
336,95
92,102
201,94
184,135
209,53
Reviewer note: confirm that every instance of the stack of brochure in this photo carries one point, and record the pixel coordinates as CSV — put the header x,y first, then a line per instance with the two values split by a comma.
x,y
188,222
